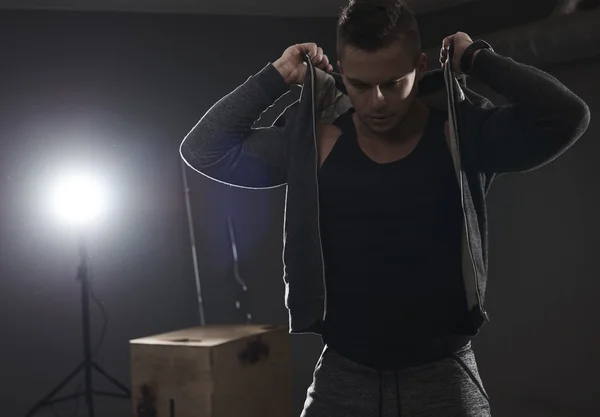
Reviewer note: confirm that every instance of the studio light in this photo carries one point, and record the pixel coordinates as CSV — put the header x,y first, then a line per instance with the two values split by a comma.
x,y
79,200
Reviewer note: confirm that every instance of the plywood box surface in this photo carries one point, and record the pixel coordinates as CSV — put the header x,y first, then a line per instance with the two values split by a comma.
x,y
213,371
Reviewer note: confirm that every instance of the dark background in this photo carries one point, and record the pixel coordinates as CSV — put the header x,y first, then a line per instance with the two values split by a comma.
x,y
119,92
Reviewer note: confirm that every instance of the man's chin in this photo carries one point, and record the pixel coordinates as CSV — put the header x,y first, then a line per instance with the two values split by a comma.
x,y
382,127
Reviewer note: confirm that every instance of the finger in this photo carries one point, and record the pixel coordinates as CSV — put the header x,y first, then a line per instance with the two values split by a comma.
x,y
318,56
309,48
447,41
324,62
314,50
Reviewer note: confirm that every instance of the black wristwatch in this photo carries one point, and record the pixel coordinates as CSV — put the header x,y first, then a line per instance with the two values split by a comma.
x,y
467,57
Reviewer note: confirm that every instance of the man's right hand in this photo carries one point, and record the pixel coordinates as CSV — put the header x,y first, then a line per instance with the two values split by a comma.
x,y
291,64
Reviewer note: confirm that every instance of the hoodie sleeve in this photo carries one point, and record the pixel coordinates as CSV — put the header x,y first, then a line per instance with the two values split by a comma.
x,y
225,147
544,118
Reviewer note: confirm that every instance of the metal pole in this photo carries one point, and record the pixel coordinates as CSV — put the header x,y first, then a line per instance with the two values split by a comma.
x,y
85,304
188,207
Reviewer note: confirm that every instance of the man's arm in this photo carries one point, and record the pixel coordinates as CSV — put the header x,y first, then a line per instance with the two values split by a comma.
x,y
544,118
225,147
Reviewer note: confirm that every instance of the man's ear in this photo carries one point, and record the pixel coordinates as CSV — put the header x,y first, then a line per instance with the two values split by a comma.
x,y
421,66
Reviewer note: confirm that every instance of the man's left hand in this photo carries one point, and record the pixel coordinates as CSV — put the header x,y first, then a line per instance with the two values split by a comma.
x,y
461,42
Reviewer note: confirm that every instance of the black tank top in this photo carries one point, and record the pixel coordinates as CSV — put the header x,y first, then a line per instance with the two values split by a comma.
x,y
391,238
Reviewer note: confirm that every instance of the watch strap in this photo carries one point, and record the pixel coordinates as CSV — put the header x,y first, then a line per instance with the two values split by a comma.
x,y
467,57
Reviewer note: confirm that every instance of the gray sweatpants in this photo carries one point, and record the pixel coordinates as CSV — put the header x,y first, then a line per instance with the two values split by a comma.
x,y
451,387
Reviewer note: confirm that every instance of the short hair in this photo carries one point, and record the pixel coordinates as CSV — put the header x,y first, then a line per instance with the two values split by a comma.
x,y
370,25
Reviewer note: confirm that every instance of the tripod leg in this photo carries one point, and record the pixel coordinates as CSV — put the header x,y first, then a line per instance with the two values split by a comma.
x,y
112,379
44,401
89,394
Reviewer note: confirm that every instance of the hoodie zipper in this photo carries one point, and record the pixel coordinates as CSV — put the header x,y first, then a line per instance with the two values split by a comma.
x,y
452,115
314,126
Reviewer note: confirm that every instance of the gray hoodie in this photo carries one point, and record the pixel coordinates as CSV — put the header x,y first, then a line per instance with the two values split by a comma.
x,y
543,119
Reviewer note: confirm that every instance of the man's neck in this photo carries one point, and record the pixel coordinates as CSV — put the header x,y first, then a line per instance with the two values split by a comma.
x,y
399,143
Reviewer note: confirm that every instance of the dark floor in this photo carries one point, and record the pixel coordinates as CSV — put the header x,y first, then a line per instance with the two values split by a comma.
x,y
103,408
115,408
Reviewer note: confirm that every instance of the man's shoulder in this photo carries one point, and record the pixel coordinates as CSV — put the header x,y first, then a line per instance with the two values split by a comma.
x,y
327,131
327,136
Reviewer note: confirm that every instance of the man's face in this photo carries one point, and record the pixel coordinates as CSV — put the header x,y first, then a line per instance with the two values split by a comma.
x,y
382,84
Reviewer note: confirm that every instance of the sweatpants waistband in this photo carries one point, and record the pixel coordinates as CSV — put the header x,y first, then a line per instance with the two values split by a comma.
x,y
415,353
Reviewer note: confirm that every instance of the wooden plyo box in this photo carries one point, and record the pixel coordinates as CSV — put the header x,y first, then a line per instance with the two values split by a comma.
x,y
213,371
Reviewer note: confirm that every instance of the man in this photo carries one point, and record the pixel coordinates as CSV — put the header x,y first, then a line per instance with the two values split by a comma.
x,y
385,225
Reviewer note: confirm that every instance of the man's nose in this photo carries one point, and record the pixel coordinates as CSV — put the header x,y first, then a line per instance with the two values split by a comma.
x,y
377,98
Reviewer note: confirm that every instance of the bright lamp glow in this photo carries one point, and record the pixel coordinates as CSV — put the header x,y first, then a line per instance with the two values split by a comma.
x,y
78,199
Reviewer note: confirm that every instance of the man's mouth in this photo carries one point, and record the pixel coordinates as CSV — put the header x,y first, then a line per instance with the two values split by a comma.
x,y
380,117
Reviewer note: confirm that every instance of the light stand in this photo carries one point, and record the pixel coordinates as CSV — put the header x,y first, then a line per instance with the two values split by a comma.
x,y
88,365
